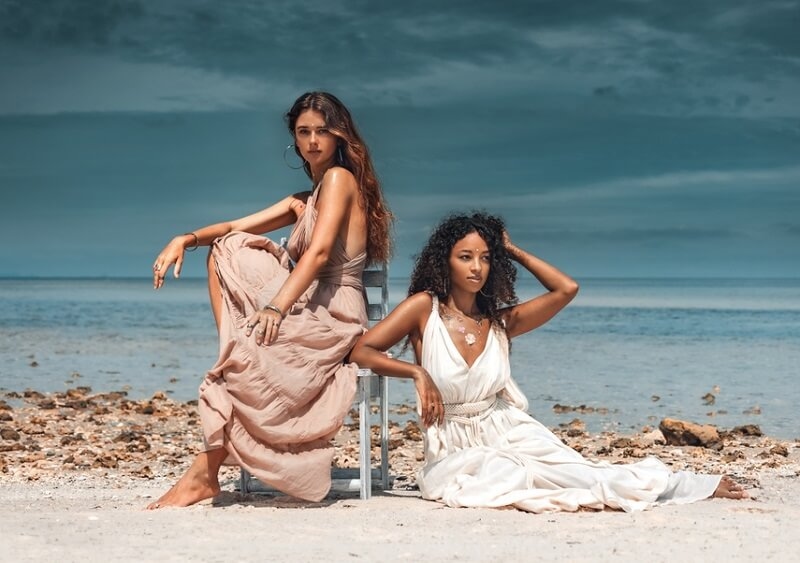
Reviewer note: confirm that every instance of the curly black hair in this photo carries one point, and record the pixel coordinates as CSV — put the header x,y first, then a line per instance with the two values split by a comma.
x,y
431,271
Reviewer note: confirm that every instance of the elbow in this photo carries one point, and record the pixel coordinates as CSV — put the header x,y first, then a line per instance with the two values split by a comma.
x,y
361,355
320,256
356,353
571,289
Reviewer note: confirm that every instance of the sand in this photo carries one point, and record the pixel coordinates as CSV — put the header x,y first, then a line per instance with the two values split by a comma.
x,y
76,470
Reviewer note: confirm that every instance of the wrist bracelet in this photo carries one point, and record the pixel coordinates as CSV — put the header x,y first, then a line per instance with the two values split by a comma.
x,y
272,307
193,247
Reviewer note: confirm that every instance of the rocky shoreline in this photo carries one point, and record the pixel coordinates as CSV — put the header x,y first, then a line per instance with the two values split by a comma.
x,y
47,436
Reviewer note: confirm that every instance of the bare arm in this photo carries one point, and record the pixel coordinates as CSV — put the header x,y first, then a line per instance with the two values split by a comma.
x,y
533,313
276,216
407,319
338,198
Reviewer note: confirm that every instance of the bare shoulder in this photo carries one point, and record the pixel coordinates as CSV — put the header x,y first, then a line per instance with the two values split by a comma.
x,y
418,312
339,180
418,304
410,316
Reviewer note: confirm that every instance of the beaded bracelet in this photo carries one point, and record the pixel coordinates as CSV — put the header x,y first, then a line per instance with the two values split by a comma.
x,y
272,307
193,247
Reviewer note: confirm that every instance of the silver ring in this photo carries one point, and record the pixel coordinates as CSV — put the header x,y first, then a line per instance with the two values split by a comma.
x,y
250,325
259,332
156,267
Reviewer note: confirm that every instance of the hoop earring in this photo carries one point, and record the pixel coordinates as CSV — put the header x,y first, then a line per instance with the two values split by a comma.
x,y
484,294
286,160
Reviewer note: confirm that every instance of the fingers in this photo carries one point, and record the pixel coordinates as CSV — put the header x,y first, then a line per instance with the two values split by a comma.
x,y
265,325
254,324
432,410
431,404
167,257
160,268
431,418
158,273
427,415
507,242
434,414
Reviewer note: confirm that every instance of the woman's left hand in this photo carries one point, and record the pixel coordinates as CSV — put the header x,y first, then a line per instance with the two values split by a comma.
x,y
266,323
507,243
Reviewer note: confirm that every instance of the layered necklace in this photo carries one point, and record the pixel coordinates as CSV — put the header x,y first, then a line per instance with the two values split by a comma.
x,y
456,319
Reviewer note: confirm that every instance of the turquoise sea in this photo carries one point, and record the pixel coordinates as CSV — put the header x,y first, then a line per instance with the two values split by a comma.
x,y
634,350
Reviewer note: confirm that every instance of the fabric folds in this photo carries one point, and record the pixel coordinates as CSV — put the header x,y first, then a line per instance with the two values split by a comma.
x,y
275,408
505,457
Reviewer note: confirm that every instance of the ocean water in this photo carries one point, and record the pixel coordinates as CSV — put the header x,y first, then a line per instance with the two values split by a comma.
x,y
631,350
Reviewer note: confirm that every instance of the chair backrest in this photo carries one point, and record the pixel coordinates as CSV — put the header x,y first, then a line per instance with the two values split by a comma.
x,y
376,279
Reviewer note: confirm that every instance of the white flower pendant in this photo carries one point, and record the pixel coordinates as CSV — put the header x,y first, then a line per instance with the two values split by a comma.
x,y
469,337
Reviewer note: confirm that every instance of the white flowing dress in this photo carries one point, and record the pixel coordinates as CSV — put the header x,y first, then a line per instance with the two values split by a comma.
x,y
489,452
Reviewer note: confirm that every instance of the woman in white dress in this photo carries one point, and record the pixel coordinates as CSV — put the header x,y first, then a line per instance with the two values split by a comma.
x,y
482,449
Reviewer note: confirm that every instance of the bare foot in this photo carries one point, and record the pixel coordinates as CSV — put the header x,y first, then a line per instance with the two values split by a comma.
x,y
728,488
198,483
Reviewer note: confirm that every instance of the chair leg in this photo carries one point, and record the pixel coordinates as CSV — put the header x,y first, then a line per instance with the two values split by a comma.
x,y
244,481
384,399
364,438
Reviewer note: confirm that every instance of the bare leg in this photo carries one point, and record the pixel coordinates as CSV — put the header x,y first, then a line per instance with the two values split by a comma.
x,y
200,481
214,289
728,488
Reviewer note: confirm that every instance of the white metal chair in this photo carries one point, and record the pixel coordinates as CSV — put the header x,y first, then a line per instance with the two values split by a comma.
x,y
370,386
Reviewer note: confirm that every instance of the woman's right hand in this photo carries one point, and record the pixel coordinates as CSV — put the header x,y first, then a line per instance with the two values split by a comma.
x,y
171,254
431,406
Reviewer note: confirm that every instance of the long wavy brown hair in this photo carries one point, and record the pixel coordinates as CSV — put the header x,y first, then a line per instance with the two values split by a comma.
x,y
352,153
431,271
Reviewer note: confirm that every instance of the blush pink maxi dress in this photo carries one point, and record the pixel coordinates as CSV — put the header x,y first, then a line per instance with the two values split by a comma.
x,y
275,408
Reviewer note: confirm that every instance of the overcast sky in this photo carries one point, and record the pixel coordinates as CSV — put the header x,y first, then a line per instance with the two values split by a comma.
x,y
617,138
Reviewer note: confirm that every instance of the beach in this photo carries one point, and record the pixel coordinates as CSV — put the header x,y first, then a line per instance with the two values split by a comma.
x,y
77,469
98,379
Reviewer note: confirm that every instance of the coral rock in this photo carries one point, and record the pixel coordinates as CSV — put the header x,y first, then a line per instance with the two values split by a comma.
x,y
682,433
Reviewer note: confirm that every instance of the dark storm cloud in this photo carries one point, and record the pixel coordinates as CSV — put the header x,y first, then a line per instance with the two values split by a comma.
x,y
646,47
591,126
70,23
459,29
792,230
627,235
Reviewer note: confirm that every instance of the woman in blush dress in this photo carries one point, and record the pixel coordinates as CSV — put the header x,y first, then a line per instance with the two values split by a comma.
x,y
287,318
